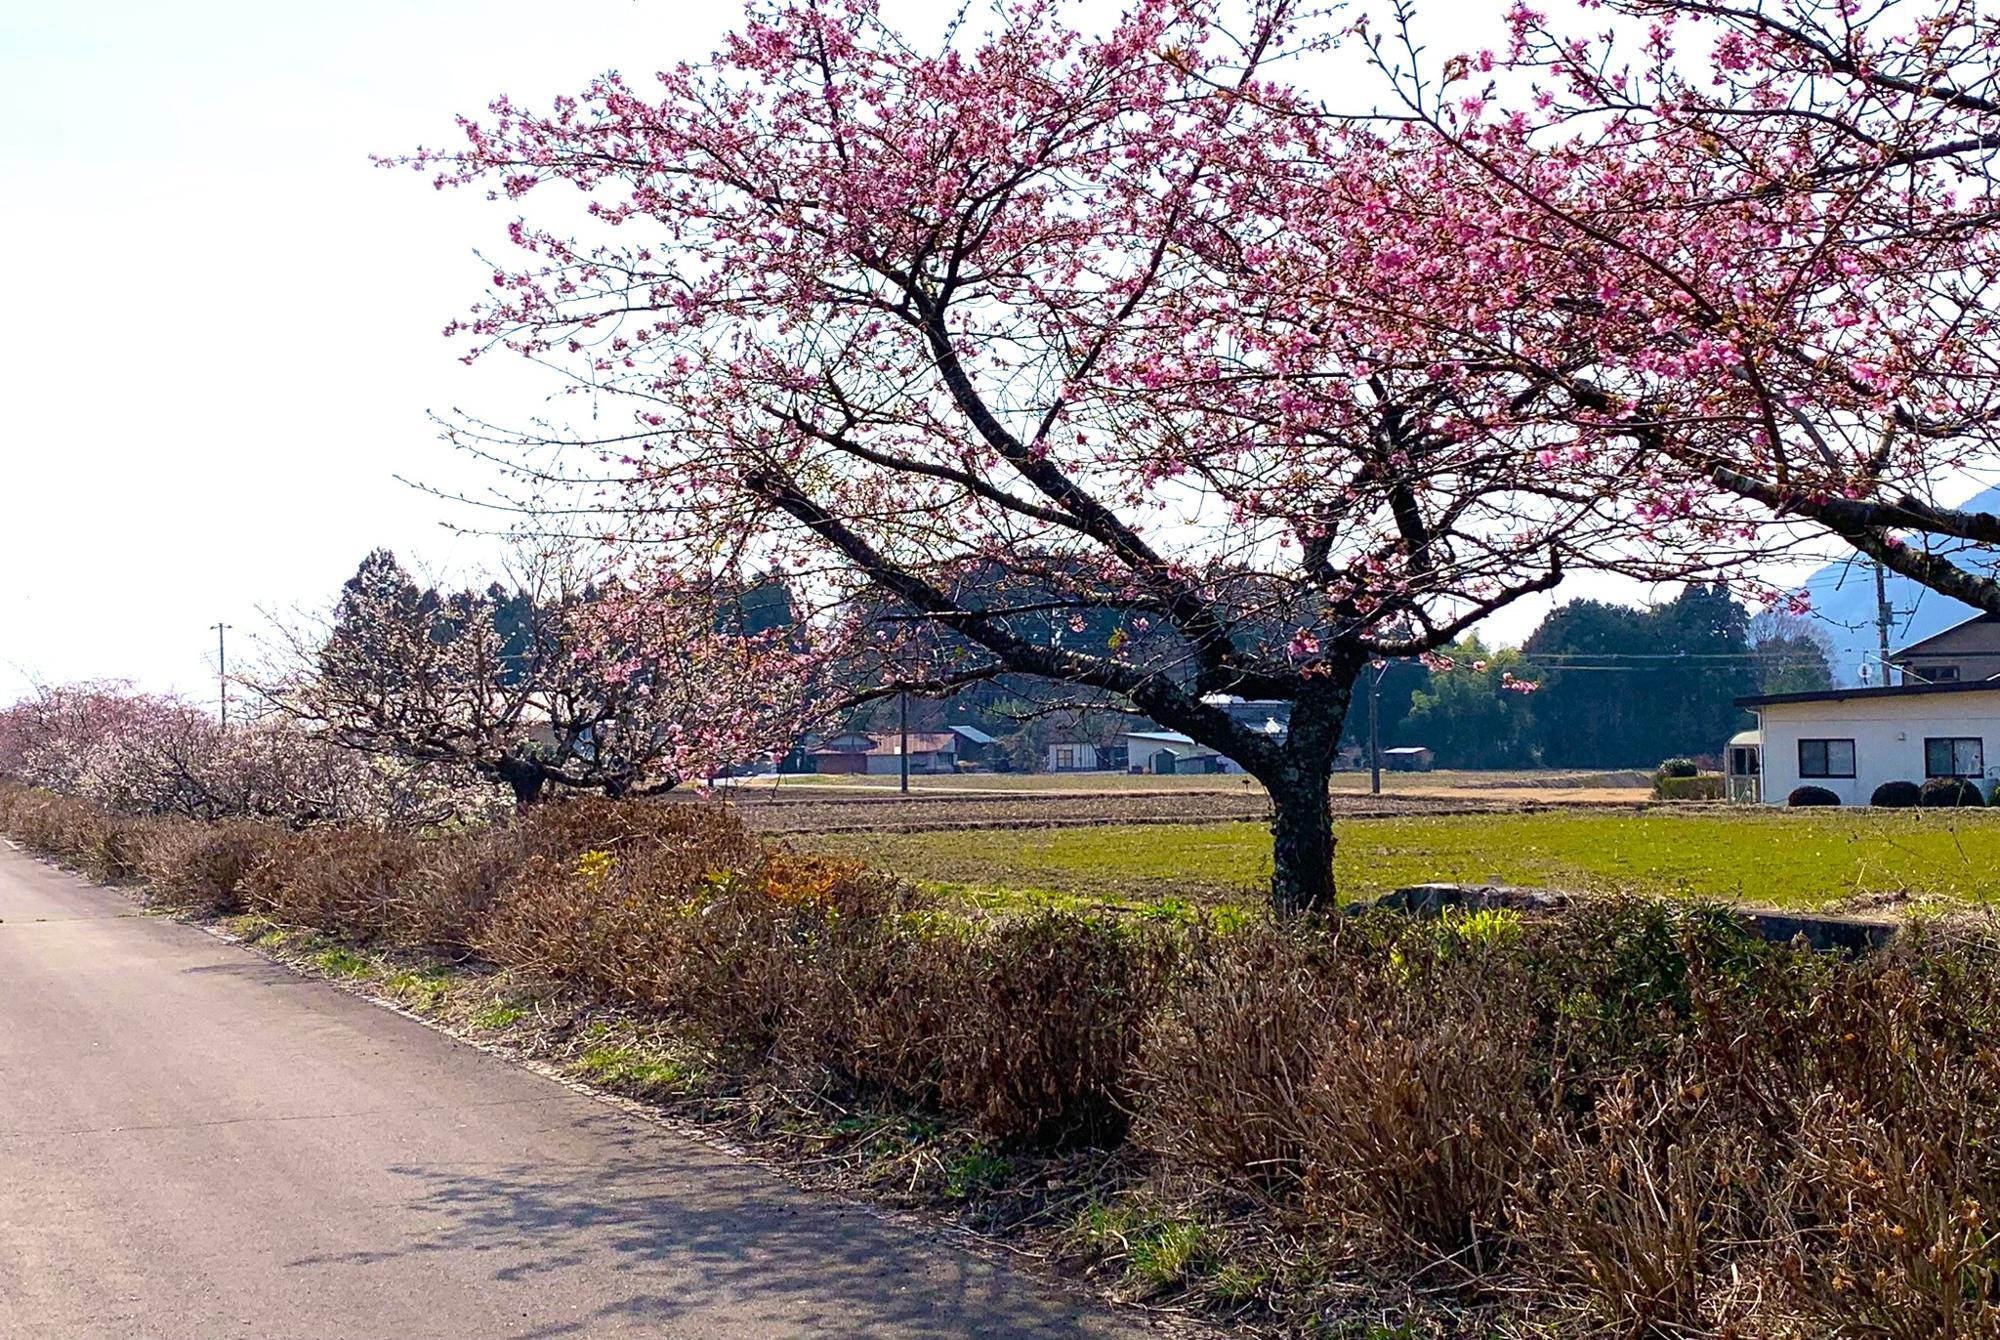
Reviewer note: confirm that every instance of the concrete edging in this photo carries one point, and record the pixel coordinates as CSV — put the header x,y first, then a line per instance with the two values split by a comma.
x,y
1825,932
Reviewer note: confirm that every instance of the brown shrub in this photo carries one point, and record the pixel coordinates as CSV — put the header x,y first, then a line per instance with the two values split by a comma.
x,y
602,892
341,881
1401,1088
1228,1062
1426,1114
1889,1203
201,868
1636,1211
1022,1027
1026,1027
571,825
449,888
66,828
112,849
1891,1228
365,884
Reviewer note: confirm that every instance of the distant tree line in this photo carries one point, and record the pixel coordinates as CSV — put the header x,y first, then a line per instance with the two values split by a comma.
x,y
1615,686
1597,685
490,679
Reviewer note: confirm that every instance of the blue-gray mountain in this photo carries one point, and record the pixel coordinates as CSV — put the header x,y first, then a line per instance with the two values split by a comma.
x,y
1843,596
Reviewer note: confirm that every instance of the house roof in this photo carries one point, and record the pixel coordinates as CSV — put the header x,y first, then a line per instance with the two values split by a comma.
x,y
1883,691
972,733
1407,749
921,742
1922,648
1171,741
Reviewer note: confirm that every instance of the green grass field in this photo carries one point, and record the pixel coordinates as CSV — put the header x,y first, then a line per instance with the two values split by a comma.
x,y
1784,858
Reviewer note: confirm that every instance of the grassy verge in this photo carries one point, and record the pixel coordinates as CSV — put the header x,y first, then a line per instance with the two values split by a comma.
x,y
1782,858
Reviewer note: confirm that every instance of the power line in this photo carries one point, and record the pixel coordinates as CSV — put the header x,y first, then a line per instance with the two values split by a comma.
x,y
1657,656
1559,657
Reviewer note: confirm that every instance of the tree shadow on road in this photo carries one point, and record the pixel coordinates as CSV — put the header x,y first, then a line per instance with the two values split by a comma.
x,y
650,1231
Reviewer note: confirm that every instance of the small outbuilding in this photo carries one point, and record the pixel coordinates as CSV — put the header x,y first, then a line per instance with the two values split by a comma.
x,y
853,752
1409,758
977,748
1742,765
1165,752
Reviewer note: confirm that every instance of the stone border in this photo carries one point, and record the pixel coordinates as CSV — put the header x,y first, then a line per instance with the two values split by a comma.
x,y
1828,933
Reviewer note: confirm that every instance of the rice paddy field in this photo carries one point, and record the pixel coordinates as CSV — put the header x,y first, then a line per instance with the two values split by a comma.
x,y
1784,858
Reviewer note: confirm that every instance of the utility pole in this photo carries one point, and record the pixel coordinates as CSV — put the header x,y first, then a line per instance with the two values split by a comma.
x,y
1884,616
903,725
222,669
1375,728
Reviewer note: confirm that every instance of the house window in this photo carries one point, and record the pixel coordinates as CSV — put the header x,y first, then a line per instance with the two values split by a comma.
x,y
1065,757
1826,758
1935,674
1954,756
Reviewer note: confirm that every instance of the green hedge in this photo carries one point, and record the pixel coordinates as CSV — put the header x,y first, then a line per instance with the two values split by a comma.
x,y
1707,786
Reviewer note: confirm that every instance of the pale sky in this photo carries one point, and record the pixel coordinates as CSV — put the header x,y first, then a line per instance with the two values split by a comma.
x,y
223,323
222,332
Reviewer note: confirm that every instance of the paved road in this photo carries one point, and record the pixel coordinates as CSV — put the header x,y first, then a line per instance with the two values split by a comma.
x,y
197,1143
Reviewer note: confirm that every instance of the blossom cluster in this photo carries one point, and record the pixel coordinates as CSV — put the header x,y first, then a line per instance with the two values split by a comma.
x,y
150,754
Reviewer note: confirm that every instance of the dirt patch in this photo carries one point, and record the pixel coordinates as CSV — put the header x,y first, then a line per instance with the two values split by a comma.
x,y
782,813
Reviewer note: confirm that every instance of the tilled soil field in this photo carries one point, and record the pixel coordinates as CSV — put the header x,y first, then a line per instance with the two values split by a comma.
x,y
783,812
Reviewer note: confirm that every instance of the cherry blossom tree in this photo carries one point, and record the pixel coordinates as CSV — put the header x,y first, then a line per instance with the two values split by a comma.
x,y
1119,312
150,754
628,690
70,738
1761,241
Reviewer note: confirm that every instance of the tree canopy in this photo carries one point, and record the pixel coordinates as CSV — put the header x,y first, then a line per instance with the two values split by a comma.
x,y
1126,319
553,683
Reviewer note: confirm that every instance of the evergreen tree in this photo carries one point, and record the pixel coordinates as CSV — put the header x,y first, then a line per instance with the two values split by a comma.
x,y
1470,715
1627,687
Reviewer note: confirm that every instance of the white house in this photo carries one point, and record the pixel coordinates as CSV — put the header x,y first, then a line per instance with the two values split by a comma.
x,y
1850,741
1166,751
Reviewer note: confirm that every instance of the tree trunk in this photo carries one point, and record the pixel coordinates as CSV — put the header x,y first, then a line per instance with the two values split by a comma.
x,y
1296,768
525,776
1301,840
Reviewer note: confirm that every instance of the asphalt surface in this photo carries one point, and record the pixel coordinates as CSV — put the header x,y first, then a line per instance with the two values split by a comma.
x,y
195,1142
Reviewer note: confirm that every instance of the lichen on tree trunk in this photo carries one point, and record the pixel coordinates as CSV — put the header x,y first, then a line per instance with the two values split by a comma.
x,y
1302,842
